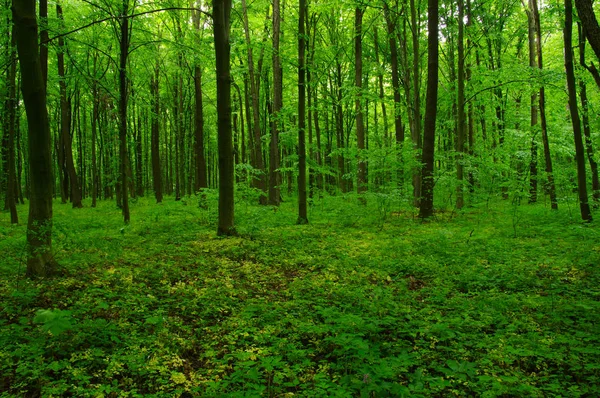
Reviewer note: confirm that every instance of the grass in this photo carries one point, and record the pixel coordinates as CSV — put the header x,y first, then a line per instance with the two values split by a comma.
x,y
497,301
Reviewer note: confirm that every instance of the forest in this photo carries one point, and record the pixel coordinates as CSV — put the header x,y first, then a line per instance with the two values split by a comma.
x,y
271,198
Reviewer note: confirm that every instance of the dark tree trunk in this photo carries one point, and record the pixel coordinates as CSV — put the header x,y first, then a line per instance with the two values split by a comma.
x,y
461,117
65,122
416,102
398,125
11,186
586,14
533,108
123,157
274,175
542,104
426,205
200,180
361,180
259,181
586,120
40,261
302,199
221,27
95,115
579,151
44,39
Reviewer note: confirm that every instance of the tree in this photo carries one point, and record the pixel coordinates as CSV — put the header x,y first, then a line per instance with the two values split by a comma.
x,y
123,157
426,205
40,261
65,122
361,183
274,176
302,202
461,119
575,121
11,186
200,181
586,14
221,29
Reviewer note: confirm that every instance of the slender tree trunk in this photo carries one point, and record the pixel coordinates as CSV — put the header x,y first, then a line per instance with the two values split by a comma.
x,y
123,157
416,102
221,27
95,100
155,136
302,202
259,181
40,261
274,175
542,105
200,181
533,107
426,205
361,181
461,119
398,125
11,186
579,152
65,123
586,122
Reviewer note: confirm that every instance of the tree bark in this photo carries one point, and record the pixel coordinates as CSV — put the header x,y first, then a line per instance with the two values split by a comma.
x,y
302,200
11,186
461,117
426,205
586,14
123,157
259,181
416,102
274,175
65,122
532,38
40,261
584,206
361,180
200,181
586,120
221,27
155,136
398,125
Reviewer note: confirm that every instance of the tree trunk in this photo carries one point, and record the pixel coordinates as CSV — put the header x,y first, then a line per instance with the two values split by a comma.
x,y
586,122
44,39
542,105
302,202
426,205
259,181
586,14
123,157
398,125
65,122
200,180
221,27
579,154
416,102
40,261
11,186
461,119
361,180
155,136
532,38
274,175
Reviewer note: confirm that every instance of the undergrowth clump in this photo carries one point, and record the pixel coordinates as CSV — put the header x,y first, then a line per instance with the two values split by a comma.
x,y
361,302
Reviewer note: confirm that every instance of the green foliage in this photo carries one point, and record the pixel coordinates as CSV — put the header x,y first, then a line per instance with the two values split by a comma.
x,y
364,301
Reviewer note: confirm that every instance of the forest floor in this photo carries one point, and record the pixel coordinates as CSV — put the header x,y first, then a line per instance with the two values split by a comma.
x,y
497,300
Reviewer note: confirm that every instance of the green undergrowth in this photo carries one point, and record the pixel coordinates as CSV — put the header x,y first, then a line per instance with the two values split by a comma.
x,y
495,301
